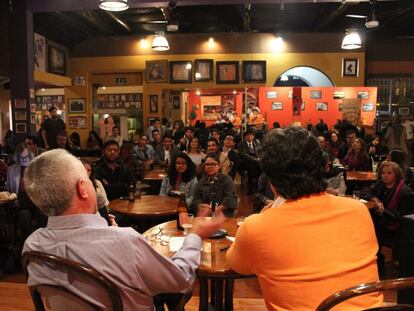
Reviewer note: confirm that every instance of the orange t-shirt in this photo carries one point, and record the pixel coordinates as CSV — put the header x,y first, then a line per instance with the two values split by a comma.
x,y
305,250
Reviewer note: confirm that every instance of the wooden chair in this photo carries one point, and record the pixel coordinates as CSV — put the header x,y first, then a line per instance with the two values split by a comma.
x,y
362,289
58,297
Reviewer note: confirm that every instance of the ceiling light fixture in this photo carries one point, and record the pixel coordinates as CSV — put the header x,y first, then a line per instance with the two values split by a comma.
x,y
352,40
113,5
160,43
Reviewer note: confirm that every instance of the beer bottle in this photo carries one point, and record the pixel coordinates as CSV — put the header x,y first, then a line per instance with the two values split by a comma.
x,y
182,212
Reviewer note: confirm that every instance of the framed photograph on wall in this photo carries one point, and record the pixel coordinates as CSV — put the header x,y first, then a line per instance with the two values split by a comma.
x,y
181,72
254,71
227,72
338,94
77,122
367,107
33,119
20,115
277,106
271,94
76,105
316,94
176,101
363,95
404,111
157,71
153,100
57,60
20,103
21,128
350,67
203,70
322,106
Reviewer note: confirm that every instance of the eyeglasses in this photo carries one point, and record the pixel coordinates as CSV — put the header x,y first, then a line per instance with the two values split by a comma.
x,y
180,163
210,164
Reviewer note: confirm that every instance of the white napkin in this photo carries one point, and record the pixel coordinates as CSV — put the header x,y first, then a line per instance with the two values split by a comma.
x,y
176,243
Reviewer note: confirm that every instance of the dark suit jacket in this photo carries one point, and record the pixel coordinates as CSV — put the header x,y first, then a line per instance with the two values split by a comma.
x,y
160,155
245,153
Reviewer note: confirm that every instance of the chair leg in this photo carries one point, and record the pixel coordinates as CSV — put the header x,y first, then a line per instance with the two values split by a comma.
x,y
219,295
228,296
203,305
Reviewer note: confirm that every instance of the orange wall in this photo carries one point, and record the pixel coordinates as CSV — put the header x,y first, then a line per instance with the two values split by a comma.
x,y
284,116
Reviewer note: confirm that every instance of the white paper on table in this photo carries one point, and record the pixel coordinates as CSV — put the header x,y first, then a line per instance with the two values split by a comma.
x,y
231,238
176,243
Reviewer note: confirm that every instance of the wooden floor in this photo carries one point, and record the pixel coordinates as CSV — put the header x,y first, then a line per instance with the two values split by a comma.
x,y
15,296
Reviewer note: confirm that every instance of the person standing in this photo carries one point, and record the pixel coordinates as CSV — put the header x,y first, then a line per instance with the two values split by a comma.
x,y
51,128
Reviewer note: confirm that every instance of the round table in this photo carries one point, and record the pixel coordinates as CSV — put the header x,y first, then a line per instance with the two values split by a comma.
x,y
213,265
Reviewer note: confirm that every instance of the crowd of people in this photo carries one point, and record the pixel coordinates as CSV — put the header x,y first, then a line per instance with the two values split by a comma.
x,y
302,170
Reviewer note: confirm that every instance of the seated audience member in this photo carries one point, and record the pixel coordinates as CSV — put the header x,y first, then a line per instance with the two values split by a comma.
x,y
101,197
344,148
165,152
321,128
357,158
76,232
212,145
334,177
75,141
322,142
116,136
215,133
177,131
181,177
256,119
194,151
202,133
393,199
376,150
156,125
398,157
236,121
214,189
297,251
31,142
94,139
114,177
334,144
266,195
249,159
229,157
276,125
142,156
156,136
62,141
185,141
24,207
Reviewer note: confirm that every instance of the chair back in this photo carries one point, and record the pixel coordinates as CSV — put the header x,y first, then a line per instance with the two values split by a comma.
x,y
61,298
367,288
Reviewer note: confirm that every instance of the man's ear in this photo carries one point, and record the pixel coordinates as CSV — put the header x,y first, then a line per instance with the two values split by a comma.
x,y
81,188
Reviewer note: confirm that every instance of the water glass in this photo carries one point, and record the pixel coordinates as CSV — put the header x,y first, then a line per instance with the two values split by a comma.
x,y
188,223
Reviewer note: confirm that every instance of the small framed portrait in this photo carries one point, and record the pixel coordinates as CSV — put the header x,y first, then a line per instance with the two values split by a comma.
x,y
254,71
20,115
176,101
277,106
316,94
404,111
338,94
203,70
368,107
21,128
181,72
363,95
76,105
33,108
157,71
271,94
33,119
20,103
322,106
153,100
227,72
350,67
57,60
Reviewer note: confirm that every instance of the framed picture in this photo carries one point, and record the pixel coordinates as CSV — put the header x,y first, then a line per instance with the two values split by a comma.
x,y
21,128
181,72
76,105
20,103
338,94
277,106
57,60
153,99
157,71
227,72
350,67
271,94
316,94
33,108
176,101
322,106
33,119
20,115
254,71
404,111
203,70
367,107
211,106
77,122
363,95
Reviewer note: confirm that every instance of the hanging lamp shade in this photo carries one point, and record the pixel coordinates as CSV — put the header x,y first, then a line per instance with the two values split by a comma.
x,y
352,40
113,5
160,43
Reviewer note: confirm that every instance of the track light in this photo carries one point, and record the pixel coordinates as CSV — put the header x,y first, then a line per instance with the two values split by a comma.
x,y
352,40
160,43
113,5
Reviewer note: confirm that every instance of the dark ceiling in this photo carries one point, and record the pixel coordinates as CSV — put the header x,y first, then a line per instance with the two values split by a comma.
x,y
280,16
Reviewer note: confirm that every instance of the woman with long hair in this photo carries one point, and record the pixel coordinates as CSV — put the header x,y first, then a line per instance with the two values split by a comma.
x,y
181,177
357,158
101,197
177,131
194,152
333,145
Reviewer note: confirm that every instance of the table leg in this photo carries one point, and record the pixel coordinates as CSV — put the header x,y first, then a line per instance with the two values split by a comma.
x,y
219,305
228,296
203,283
213,291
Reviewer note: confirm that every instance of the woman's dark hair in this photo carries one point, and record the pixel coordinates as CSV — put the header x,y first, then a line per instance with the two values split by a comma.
x,y
187,175
75,139
214,156
179,122
97,138
398,157
292,159
198,141
363,149
92,176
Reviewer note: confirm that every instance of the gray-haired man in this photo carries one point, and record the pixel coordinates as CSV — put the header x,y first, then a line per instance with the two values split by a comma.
x,y
59,185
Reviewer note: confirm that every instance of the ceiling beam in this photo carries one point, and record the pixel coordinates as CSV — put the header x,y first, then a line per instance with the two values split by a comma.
x,y
37,6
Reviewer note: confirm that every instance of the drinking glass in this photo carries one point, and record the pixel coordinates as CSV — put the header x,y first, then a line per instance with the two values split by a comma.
x,y
188,223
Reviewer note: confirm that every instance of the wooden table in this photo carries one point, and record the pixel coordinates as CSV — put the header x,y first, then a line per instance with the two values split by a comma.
x,y
361,176
90,159
213,265
154,178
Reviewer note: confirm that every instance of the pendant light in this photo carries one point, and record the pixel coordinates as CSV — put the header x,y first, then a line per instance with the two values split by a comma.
x,y
160,43
352,40
113,5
